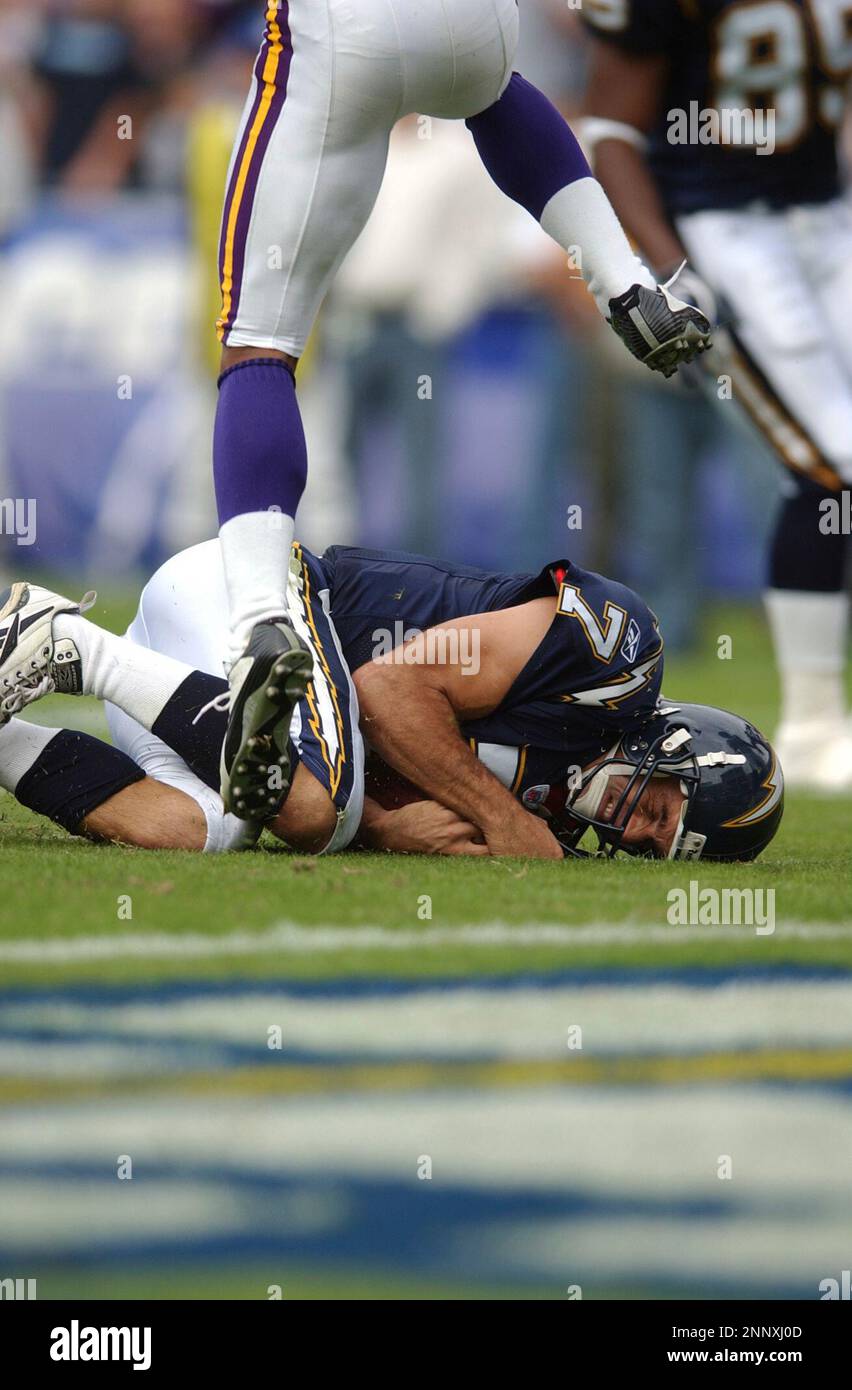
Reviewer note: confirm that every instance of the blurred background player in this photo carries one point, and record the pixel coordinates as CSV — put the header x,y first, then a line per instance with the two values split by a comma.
x,y
770,235
308,161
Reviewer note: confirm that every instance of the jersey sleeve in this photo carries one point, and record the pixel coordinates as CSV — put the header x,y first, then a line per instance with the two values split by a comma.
x,y
637,26
595,674
603,650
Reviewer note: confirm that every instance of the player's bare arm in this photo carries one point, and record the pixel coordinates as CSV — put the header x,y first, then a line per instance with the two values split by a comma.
x,y
623,99
421,827
411,707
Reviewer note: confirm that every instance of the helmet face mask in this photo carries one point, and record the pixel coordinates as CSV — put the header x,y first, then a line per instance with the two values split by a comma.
x,y
729,775
640,767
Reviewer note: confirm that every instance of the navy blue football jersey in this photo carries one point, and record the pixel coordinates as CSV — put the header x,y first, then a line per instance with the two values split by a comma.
x,y
788,57
595,674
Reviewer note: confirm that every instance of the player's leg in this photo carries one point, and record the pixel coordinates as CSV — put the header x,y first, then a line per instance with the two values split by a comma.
x,y
213,831
182,613
307,821
47,644
100,791
76,780
809,601
93,789
534,158
307,166
823,237
787,377
149,815
808,608
163,713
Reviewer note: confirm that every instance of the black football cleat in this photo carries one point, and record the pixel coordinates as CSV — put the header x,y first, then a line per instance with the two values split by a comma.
x,y
658,328
266,682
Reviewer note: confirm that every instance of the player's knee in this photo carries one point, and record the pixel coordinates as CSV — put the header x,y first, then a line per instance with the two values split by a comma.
x,y
148,815
307,820
232,356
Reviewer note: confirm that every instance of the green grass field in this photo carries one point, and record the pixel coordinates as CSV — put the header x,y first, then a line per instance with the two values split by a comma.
x,y
85,887
809,865
424,1004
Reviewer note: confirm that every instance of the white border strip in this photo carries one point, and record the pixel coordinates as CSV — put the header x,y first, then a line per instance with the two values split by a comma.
x,y
289,939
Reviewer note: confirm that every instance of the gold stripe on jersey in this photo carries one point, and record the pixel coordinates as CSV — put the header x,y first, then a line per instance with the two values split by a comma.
x,y
519,772
771,417
335,765
270,72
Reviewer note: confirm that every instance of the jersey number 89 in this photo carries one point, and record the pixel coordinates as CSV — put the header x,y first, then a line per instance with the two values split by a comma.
x,y
761,57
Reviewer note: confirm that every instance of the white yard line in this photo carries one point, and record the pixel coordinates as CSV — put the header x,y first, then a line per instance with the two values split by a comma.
x,y
288,938
790,1149
464,1023
635,1157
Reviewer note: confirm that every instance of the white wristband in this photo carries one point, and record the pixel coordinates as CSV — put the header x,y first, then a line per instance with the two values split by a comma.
x,y
593,129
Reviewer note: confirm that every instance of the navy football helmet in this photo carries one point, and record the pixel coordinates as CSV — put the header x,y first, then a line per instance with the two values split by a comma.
x,y
731,778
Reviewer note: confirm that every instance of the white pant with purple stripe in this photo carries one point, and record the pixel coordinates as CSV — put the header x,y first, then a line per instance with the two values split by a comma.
x,y
331,80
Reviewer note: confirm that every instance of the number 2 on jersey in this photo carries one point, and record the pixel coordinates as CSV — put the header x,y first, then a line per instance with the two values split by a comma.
x,y
603,636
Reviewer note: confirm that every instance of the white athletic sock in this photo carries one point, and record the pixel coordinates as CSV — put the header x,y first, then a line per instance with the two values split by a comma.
x,y
225,832
810,634
256,556
139,681
581,219
21,744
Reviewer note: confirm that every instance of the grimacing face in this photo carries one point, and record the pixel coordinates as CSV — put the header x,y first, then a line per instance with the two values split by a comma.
x,y
654,822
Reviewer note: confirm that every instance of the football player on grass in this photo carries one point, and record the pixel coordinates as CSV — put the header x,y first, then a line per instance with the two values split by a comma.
x,y
506,714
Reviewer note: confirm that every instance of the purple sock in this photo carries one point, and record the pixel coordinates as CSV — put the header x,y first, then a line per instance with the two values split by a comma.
x,y
259,456
528,149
